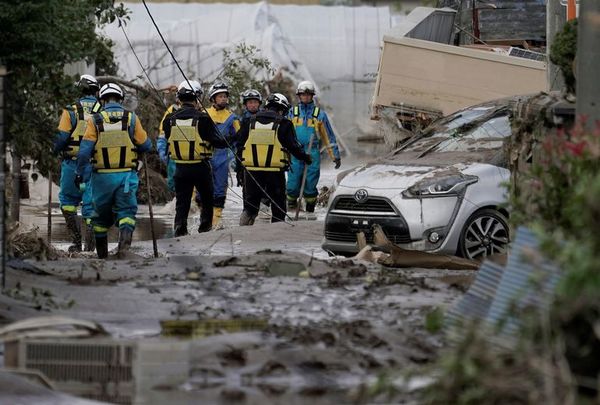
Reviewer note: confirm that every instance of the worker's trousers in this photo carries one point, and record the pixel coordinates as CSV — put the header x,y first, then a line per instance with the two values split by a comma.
x,y
69,195
273,183
187,176
114,200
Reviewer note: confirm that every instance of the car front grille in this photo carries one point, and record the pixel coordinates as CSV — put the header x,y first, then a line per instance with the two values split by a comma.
x,y
372,204
351,237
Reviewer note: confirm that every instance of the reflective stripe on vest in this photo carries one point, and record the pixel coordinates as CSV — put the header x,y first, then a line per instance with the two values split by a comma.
x,y
263,151
185,143
83,111
311,122
114,150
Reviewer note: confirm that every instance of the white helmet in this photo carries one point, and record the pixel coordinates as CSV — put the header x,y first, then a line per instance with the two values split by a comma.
x,y
111,88
189,88
251,95
278,101
216,88
306,87
88,82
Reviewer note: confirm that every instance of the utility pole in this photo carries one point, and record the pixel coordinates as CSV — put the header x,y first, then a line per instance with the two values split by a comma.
x,y
588,61
2,179
555,20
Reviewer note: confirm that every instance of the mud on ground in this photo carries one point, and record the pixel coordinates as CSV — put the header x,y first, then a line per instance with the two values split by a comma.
x,y
332,326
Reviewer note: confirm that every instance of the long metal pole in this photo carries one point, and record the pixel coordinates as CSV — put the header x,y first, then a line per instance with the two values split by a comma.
x,y
2,181
555,20
154,245
588,60
304,174
49,234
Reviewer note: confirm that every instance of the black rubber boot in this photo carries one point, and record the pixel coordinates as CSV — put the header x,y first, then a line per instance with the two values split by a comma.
x,y
180,230
206,220
74,229
246,219
205,225
265,201
89,240
102,247
125,235
310,207
292,204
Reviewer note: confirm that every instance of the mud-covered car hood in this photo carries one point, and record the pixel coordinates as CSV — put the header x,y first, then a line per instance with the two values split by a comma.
x,y
401,172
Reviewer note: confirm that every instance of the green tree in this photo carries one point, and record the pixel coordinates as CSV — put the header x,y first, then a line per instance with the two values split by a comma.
x,y
244,68
563,52
38,38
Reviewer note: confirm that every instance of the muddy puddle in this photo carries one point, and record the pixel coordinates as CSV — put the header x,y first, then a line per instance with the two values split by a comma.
x,y
36,216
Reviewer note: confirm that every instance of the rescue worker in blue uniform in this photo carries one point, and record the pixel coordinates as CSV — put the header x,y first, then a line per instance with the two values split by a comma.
x,y
71,129
228,125
112,142
191,137
312,126
264,146
161,146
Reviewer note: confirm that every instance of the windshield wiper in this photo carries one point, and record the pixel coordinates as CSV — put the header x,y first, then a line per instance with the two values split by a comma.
x,y
435,145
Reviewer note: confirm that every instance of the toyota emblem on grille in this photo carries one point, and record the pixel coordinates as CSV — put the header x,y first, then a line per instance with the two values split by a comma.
x,y
361,195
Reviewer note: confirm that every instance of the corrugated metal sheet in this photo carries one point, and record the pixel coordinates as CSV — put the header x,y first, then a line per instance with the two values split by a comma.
x,y
526,283
476,302
426,23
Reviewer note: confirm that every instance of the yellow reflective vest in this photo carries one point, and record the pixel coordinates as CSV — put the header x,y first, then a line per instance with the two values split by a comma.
x,y
83,112
262,150
185,143
114,150
313,121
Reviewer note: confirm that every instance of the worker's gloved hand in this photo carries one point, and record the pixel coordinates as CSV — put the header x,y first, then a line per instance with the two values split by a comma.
x,y
79,183
239,175
307,159
338,163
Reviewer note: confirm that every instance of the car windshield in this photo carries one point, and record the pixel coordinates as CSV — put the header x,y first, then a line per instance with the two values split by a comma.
x,y
480,128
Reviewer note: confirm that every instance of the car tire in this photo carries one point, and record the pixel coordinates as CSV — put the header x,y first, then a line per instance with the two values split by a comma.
x,y
485,233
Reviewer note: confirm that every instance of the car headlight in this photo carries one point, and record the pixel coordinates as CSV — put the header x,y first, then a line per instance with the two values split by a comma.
x,y
441,186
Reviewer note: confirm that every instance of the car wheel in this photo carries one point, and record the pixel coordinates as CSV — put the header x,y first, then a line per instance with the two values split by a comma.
x,y
485,233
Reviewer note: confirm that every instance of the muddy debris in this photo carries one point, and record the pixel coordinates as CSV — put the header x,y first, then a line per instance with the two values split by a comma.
x,y
269,252
335,280
30,245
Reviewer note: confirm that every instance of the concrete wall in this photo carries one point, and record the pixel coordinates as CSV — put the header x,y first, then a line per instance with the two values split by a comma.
x,y
446,78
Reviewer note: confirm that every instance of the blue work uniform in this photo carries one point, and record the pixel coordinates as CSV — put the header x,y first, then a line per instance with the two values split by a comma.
x,y
163,149
311,123
66,143
228,125
113,157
